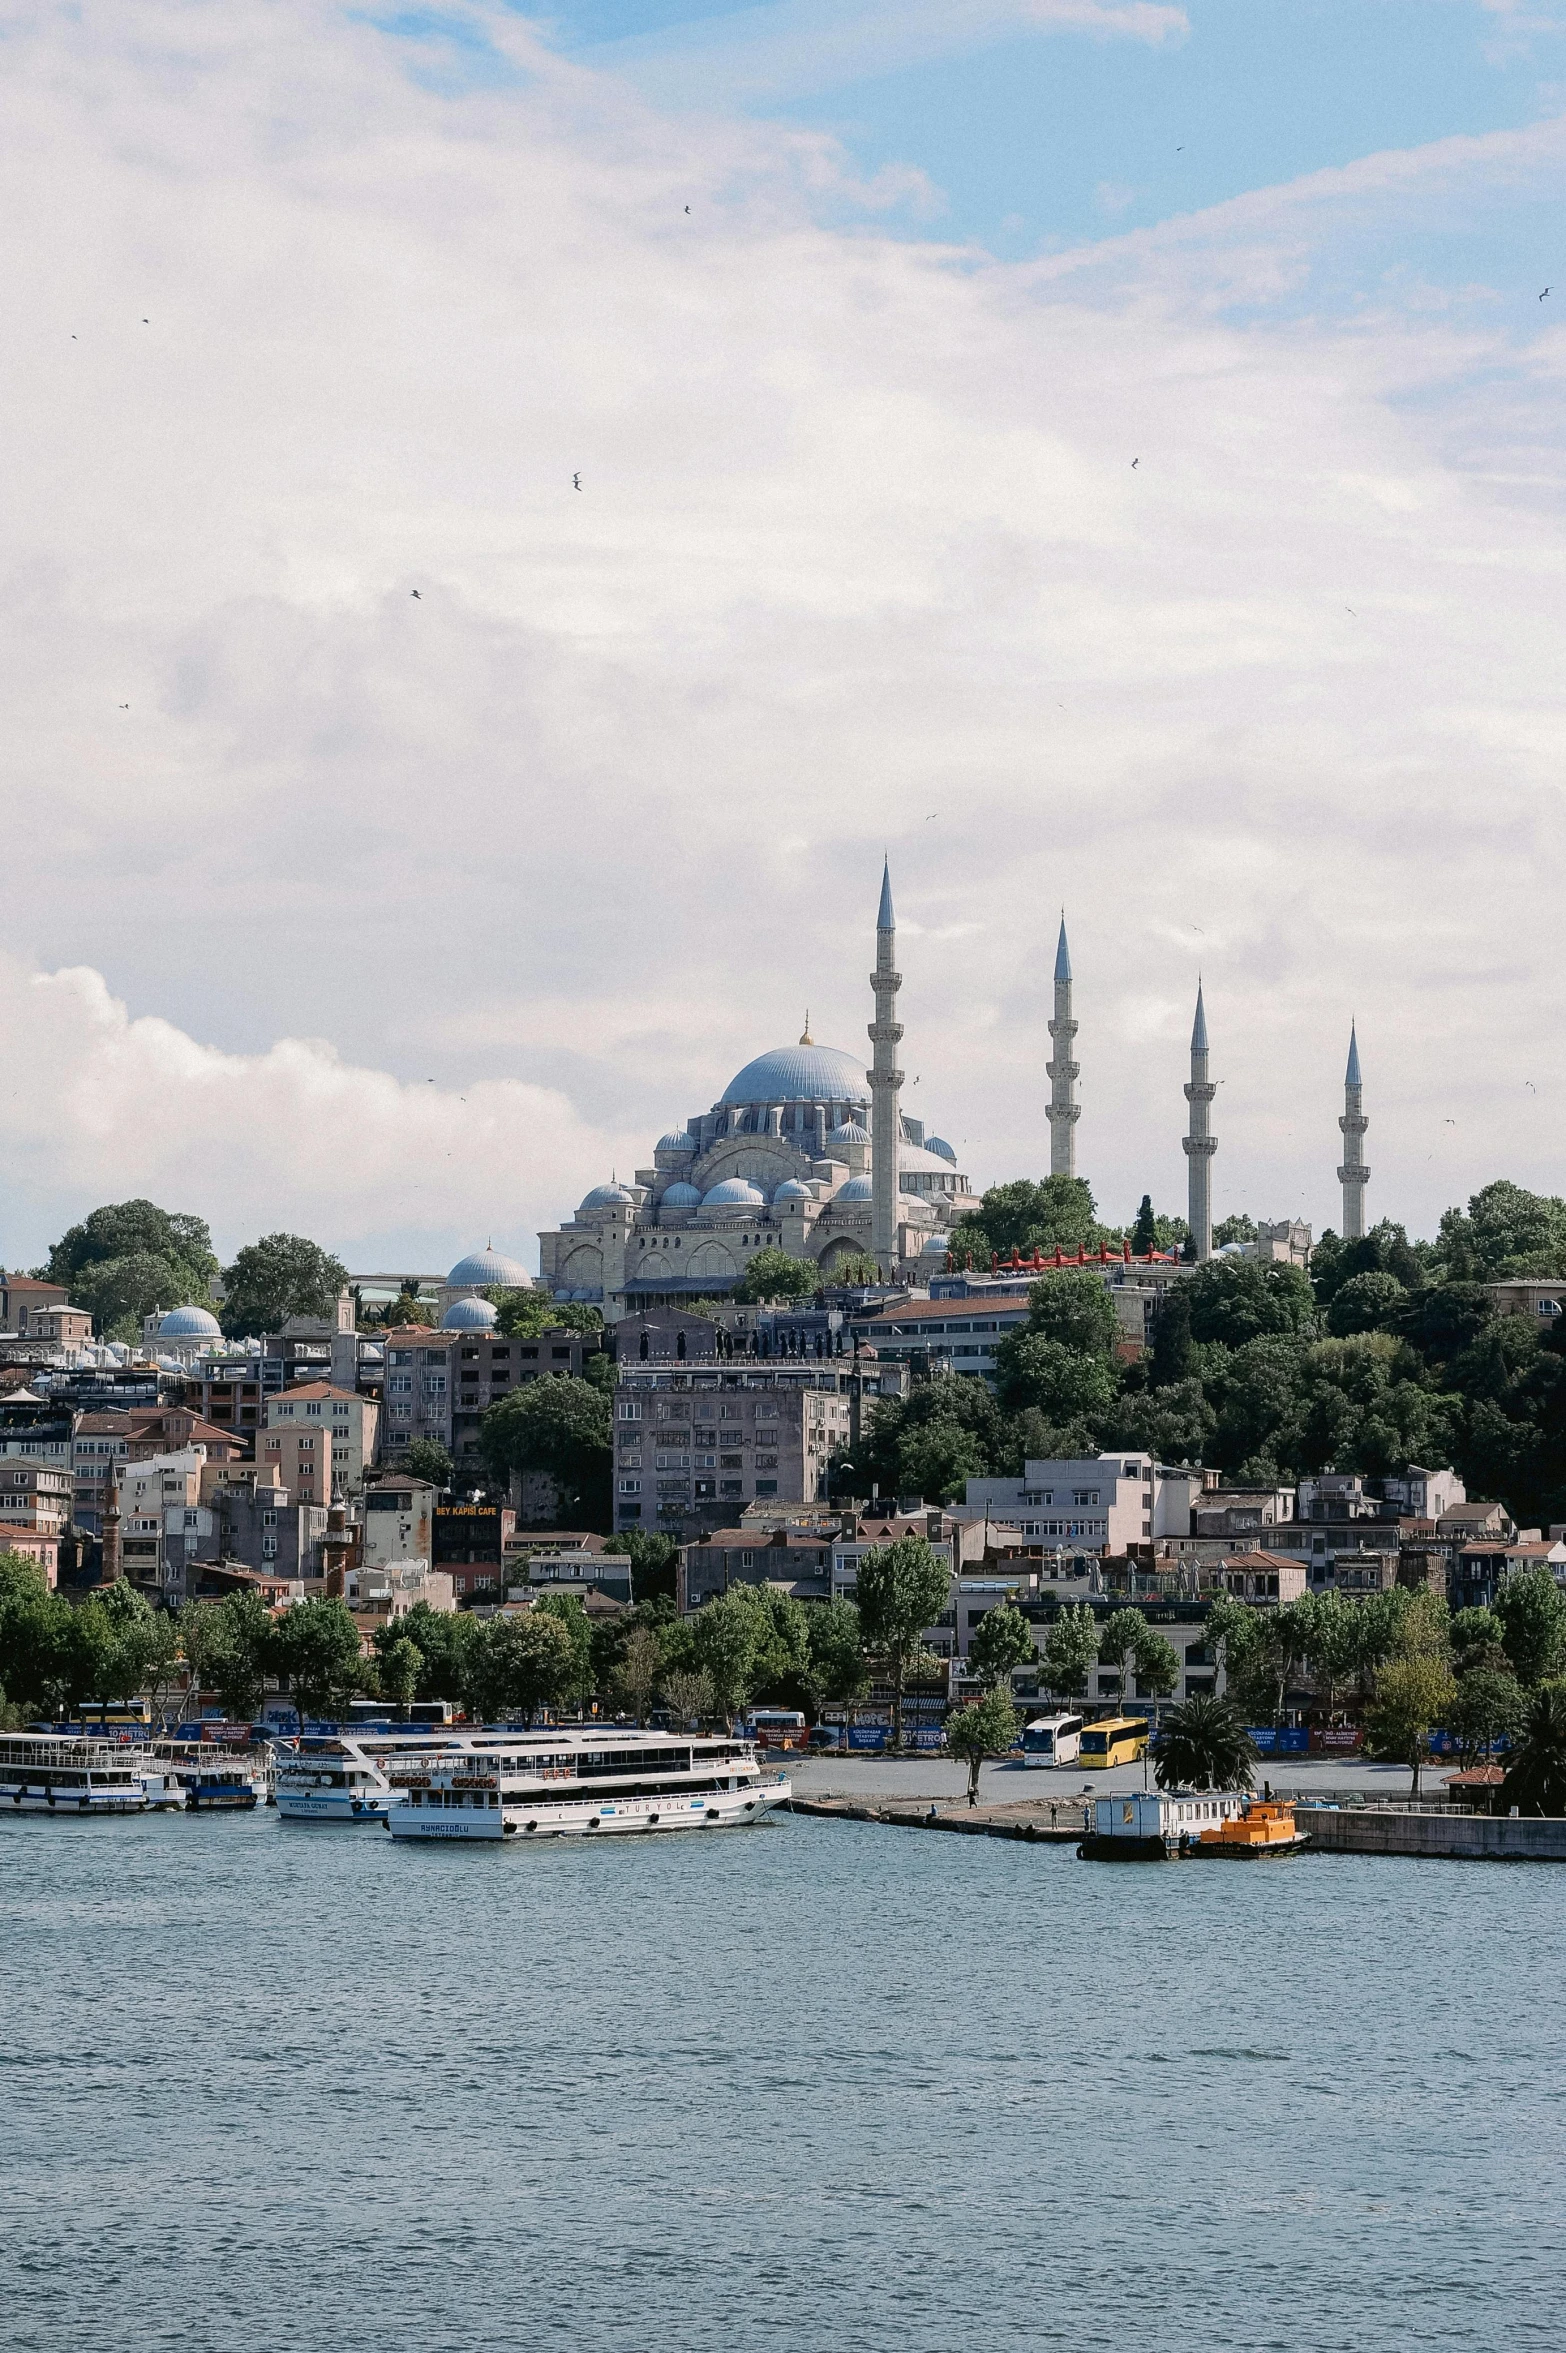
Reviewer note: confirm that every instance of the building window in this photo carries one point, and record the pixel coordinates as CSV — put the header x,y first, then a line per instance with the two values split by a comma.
x,y
629,1413
766,1486
630,1486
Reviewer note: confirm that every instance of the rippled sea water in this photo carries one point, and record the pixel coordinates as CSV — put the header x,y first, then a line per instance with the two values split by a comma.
x,y
811,2085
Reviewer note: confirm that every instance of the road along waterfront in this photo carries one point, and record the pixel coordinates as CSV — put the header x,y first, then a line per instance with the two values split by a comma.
x,y
812,2086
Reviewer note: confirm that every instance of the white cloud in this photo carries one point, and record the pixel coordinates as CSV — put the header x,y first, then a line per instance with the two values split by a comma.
x,y
104,1106
594,817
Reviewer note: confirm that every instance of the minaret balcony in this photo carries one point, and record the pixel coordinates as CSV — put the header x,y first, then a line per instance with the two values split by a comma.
x,y
1057,1113
1353,1176
885,980
1201,1090
1065,1070
1353,1123
1199,1147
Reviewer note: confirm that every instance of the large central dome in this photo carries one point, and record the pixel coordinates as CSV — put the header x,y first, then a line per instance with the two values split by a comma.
x,y
800,1074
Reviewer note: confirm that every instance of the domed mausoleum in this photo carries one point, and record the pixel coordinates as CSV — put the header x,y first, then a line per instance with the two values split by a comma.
x,y
788,1158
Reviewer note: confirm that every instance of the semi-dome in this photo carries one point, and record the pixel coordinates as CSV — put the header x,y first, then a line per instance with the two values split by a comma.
x,y
800,1074
607,1197
791,1190
680,1195
849,1133
678,1141
189,1323
860,1188
490,1266
734,1193
935,1245
940,1145
468,1315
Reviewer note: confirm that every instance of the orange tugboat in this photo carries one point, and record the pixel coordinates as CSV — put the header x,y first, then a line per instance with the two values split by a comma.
x,y
1266,1827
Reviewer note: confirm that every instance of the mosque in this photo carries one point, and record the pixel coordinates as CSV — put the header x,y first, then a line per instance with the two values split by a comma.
x,y
804,1151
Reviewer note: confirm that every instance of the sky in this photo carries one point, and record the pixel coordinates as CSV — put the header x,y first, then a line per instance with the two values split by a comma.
x,y
1099,453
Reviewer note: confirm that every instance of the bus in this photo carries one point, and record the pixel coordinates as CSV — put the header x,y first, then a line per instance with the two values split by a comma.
x,y
1114,1740
778,1727
1052,1740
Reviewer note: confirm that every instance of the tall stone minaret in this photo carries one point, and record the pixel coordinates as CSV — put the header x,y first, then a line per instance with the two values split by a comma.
x,y
1064,1110
1199,1145
885,1082
1353,1176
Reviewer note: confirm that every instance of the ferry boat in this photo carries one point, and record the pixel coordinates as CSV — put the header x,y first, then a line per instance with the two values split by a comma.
x,y
65,1773
555,1783
195,1777
1156,1826
339,1778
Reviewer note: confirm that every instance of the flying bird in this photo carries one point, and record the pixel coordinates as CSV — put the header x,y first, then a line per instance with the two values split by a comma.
x,y
1135,462
1546,291
576,482
687,208
934,813
414,592
124,706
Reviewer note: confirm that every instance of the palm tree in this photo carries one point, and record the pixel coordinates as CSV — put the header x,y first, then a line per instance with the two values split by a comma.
x,y
1536,1783
1203,1744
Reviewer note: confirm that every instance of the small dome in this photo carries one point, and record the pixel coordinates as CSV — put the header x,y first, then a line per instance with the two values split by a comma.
x,y
860,1188
935,1245
678,1142
849,1133
468,1315
800,1074
791,1190
490,1266
940,1145
734,1193
606,1197
680,1195
189,1323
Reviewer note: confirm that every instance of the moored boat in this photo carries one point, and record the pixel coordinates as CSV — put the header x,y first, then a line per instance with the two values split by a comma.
x,y
1265,1827
1155,1826
556,1783
67,1773
195,1777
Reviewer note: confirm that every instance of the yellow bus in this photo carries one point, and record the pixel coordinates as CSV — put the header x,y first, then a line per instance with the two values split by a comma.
x,y
1114,1740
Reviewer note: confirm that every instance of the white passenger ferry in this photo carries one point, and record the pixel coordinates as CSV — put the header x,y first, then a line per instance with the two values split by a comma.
x,y
63,1773
342,1778
555,1783
196,1776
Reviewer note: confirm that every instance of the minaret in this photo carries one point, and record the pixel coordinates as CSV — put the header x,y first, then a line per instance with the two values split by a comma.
x,y
1199,1145
1064,1111
1353,1176
885,1081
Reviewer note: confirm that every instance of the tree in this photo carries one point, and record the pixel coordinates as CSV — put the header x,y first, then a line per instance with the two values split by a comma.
x,y
559,1426
229,1646
902,1589
1536,1783
400,1665
1171,1358
1144,1234
1238,1228
1002,1639
1070,1648
1490,1705
936,1459
428,1459
654,1563
1057,1214
1203,1744
519,1664
1507,1231
1129,1641
317,1651
726,1639
772,1274
688,1691
1233,1300
641,1664
130,1259
1367,1303
522,1315
1532,1618
837,1668
444,1640
34,1628
984,1728
280,1276
568,1609
1062,1383
1413,1695
851,1270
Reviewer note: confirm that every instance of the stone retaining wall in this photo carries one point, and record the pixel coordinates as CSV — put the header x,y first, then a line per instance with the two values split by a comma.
x,y
1363,1830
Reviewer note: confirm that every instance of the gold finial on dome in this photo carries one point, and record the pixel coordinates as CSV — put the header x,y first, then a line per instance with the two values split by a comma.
x,y
807,1039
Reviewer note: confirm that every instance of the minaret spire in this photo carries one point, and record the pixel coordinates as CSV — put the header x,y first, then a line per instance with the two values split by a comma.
x,y
885,1082
1353,1176
1199,1145
1064,1110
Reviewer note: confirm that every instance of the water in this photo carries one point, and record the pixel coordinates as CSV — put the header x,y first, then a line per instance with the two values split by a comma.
x,y
815,2085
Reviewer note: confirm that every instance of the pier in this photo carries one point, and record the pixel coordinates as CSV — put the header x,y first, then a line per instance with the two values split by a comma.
x,y
1038,1821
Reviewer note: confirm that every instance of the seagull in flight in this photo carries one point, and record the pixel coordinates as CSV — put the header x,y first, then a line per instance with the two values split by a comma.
x,y
576,482
687,208
1135,462
1546,291
415,592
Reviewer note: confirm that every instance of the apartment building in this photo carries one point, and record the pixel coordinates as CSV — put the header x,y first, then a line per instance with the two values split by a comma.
x,y
320,1440
693,1447
35,1498
1096,1504
440,1384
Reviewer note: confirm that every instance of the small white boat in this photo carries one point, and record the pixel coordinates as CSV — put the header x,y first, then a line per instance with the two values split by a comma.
x,y
195,1777
65,1773
555,1784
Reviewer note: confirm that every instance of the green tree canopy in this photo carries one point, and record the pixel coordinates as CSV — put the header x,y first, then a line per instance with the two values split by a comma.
x,y
1490,1705
398,1670
1536,1783
1505,1231
1002,1639
516,1665
280,1276
1531,1614
1367,1303
1233,1300
132,1259
443,1640
229,1647
902,1589
560,1426
985,1728
428,1459
1056,1214
1071,1648
773,1274
316,1649
522,1315
1413,1695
